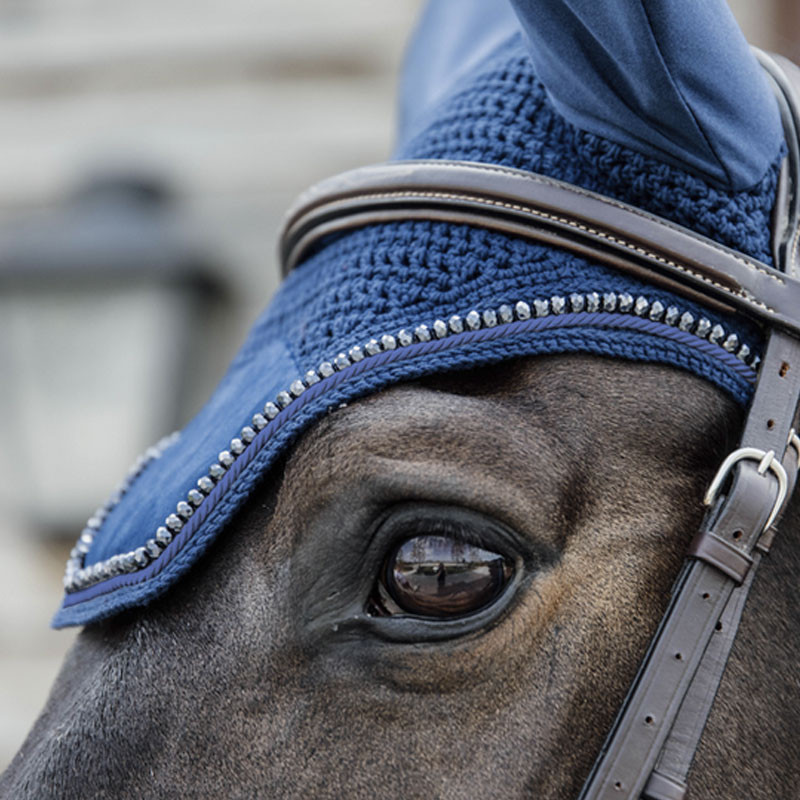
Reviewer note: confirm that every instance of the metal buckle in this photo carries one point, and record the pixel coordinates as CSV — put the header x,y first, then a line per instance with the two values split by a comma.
x,y
767,461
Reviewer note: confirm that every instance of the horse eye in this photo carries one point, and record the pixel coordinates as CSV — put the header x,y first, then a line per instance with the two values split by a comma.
x,y
440,577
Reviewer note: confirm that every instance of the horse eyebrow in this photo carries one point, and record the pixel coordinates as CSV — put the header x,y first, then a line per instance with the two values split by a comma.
x,y
420,406
350,464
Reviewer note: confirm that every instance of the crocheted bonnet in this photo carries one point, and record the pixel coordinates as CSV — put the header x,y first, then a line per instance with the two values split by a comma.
x,y
392,302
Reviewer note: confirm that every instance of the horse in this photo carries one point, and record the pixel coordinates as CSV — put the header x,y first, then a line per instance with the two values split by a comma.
x,y
442,585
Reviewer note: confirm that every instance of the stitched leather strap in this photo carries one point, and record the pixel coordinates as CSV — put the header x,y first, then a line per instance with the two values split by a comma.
x,y
547,211
703,591
668,781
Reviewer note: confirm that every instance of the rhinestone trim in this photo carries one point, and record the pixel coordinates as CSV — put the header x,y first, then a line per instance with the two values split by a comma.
x,y
78,577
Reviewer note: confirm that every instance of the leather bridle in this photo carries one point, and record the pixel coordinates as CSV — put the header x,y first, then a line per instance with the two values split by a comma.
x,y
650,749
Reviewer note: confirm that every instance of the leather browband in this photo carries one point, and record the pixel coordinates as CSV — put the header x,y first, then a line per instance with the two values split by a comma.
x,y
547,211
650,748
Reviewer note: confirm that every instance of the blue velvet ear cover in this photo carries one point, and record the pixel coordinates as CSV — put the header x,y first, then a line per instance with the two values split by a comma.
x,y
342,325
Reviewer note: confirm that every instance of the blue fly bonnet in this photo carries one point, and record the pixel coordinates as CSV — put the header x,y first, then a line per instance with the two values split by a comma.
x,y
394,301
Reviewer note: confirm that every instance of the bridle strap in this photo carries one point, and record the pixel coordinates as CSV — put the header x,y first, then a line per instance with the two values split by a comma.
x,y
722,556
652,743
668,780
550,212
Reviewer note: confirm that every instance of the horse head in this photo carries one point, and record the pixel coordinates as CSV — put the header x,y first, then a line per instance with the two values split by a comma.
x,y
456,467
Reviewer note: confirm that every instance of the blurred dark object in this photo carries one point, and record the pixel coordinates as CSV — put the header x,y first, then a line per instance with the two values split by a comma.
x,y
109,308
116,226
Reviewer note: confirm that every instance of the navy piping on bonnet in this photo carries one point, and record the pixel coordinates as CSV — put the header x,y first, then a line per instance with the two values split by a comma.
x,y
393,302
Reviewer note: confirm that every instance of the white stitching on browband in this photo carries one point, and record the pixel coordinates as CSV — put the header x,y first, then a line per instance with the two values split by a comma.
x,y
579,226
576,190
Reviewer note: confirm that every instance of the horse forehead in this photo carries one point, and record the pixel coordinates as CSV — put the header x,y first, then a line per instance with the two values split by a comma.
x,y
553,408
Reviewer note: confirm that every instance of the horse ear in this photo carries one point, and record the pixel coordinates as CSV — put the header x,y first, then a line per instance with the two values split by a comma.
x,y
673,79
450,37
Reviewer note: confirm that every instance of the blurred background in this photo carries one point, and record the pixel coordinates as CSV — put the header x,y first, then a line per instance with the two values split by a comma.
x,y
147,153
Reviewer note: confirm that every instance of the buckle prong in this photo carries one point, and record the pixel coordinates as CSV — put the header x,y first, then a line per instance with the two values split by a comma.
x,y
766,461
